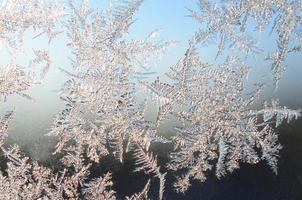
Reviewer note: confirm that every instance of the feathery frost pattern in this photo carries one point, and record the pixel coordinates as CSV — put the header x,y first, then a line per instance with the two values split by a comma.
x,y
103,117
17,18
217,124
227,24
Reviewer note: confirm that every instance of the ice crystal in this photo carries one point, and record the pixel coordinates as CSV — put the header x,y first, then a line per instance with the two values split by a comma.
x,y
18,16
218,125
4,122
227,23
15,80
100,188
275,111
103,115
26,179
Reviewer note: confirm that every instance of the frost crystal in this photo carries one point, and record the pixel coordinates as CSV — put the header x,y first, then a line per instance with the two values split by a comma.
x,y
18,16
217,125
103,116
228,24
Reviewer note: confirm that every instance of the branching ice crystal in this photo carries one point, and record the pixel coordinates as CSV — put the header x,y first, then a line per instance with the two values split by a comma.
x,y
15,80
227,23
218,125
102,115
17,16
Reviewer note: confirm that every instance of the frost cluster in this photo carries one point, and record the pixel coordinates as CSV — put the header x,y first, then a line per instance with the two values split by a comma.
x,y
103,116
